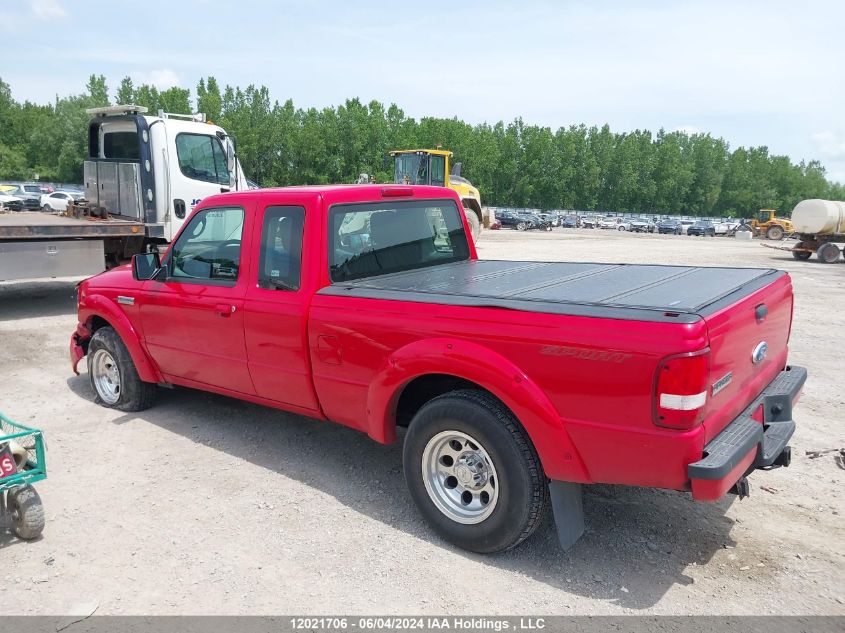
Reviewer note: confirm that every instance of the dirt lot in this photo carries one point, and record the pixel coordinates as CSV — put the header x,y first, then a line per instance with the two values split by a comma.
x,y
208,505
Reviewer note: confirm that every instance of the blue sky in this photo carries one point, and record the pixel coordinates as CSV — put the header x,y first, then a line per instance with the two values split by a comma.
x,y
754,73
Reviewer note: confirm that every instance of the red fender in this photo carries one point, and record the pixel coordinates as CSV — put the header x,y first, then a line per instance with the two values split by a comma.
x,y
98,305
495,373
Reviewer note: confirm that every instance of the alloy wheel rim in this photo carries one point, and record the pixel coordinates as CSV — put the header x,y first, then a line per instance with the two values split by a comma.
x,y
460,477
106,376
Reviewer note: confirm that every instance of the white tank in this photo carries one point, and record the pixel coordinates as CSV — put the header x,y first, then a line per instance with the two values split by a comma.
x,y
819,216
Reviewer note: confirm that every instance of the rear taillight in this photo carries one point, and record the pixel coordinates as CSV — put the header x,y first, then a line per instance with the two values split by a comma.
x,y
681,390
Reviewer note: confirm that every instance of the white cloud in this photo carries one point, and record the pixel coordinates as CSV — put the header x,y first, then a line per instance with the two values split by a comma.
x,y
162,79
831,143
47,9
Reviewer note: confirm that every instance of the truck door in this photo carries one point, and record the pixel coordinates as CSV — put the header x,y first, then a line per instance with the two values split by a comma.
x,y
193,321
276,307
200,170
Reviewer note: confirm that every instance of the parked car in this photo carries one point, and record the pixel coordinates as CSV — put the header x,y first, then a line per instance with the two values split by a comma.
x,y
31,201
702,228
58,200
657,391
619,224
590,222
670,226
642,225
551,218
571,222
725,227
685,224
522,221
9,202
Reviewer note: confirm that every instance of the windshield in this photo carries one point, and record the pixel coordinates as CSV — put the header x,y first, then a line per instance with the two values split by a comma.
x,y
387,237
411,169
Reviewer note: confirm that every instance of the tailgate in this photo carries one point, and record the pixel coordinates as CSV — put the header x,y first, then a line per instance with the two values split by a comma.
x,y
748,348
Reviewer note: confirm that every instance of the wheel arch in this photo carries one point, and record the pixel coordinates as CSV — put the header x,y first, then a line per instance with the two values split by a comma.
x,y
98,313
423,370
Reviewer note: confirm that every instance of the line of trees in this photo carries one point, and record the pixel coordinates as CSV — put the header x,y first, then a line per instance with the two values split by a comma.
x,y
512,164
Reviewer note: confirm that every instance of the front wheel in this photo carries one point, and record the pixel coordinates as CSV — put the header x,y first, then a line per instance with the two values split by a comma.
x,y
474,224
113,375
775,232
473,473
46,207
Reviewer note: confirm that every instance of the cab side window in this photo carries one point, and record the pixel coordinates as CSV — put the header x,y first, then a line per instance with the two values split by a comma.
x,y
280,257
209,249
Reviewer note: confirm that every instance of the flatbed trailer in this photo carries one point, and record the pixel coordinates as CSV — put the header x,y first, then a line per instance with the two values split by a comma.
x,y
36,245
824,246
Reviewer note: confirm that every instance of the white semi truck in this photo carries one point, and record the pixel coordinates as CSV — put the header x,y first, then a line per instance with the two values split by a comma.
x,y
143,176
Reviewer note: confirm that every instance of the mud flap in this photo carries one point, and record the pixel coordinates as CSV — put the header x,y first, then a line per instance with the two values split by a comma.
x,y
568,511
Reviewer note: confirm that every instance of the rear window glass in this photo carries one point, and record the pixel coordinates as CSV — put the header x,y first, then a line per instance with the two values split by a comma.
x,y
387,237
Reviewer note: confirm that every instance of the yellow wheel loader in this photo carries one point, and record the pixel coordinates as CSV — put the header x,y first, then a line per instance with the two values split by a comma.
x,y
432,167
767,225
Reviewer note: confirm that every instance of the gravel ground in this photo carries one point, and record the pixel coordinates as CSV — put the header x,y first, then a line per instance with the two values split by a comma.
x,y
206,505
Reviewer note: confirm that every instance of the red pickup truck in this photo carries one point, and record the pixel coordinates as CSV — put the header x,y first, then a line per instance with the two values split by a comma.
x,y
516,381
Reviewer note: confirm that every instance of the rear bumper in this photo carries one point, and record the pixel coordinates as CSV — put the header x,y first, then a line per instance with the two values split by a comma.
x,y
755,439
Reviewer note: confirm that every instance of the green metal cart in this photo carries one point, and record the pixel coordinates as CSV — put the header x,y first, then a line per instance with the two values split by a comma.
x,y
21,465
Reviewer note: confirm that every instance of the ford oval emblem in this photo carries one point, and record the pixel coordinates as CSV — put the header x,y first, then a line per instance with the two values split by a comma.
x,y
759,353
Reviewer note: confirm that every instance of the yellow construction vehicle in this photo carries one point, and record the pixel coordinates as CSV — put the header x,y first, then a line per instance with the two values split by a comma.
x,y
431,167
767,225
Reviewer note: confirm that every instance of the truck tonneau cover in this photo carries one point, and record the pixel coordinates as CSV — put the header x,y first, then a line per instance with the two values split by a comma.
x,y
41,225
621,291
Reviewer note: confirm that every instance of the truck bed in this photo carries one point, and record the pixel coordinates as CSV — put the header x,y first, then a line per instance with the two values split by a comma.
x,y
678,294
24,225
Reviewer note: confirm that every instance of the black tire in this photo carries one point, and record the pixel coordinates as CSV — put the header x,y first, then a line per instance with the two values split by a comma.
x,y
474,223
828,253
46,207
26,511
134,394
775,232
521,226
523,495
802,255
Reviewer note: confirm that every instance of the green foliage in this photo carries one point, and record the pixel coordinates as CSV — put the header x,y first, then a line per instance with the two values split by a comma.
x,y
513,164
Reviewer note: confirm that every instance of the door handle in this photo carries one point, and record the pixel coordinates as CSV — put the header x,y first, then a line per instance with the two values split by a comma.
x,y
224,309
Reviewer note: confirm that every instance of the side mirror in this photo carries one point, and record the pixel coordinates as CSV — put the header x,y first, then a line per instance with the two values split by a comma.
x,y
145,266
230,156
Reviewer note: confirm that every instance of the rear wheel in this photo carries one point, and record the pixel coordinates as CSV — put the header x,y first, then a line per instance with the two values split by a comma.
x,y
26,511
473,473
521,226
775,232
828,253
113,375
474,223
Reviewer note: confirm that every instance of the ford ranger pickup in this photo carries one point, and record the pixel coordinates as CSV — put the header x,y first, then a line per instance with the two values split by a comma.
x,y
515,381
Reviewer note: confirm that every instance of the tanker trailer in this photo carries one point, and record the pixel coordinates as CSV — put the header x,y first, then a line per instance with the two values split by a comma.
x,y
819,225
